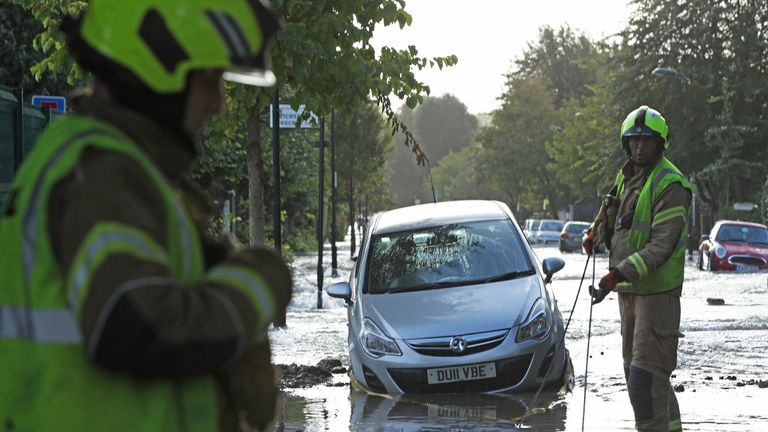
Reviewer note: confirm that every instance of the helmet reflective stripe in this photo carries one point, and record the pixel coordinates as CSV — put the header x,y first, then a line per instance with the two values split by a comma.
x,y
231,33
39,325
104,240
250,284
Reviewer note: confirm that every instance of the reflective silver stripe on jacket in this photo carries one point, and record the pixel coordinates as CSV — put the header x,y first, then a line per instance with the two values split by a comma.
x,y
39,325
29,230
250,283
660,176
80,274
186,239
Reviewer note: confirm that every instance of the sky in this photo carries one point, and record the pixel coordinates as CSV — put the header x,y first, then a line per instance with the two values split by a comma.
x,y
487,35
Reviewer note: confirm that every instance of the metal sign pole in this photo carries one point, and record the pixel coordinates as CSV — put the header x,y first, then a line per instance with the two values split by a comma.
x,y
334,262
280,319
320,218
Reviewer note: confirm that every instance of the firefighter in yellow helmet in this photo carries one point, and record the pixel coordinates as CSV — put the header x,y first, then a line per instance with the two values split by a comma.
x,y
116,312
644,221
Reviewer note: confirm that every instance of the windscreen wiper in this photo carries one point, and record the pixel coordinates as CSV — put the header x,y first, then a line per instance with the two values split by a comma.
x,y
510,275
431,285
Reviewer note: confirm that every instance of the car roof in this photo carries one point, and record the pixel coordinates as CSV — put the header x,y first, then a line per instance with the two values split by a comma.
x,y
577,222
433,214
736,222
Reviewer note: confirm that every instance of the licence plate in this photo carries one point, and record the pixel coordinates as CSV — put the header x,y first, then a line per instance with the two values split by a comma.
x,y
461,373
461,412
746,268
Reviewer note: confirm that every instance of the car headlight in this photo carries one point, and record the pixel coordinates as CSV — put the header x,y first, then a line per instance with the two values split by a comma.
x,y
375,342
536,327
720,251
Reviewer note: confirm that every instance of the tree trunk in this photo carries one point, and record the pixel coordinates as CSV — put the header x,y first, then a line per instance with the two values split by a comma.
x,y
257,178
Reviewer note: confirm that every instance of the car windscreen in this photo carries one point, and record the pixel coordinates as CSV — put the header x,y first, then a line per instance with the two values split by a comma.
x,y
445,256
742,234
551,226
576,228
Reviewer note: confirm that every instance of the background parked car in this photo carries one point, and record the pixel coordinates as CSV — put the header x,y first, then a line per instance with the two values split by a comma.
x,y
531,225
571,235
548,232
449,298
735,246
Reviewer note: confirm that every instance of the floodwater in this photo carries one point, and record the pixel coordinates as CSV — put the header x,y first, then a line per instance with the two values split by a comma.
x,y
721,358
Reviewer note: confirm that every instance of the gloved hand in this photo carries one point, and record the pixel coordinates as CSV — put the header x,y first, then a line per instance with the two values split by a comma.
x,y
606,285
248,391
588,242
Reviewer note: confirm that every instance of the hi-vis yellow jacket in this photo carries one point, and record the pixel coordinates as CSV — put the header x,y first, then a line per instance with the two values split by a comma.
x,y
114,314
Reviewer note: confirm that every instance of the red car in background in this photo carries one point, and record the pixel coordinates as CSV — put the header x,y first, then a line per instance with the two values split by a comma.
x,y
734,246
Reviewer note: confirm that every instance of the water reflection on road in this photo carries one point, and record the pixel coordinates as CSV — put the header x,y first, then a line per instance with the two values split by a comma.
x,y
725,348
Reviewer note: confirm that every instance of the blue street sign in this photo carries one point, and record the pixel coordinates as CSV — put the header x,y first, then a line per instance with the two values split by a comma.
x,y
55,103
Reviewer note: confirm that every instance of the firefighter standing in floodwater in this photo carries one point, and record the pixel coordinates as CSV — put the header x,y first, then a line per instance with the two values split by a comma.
x,y
116,313
644,220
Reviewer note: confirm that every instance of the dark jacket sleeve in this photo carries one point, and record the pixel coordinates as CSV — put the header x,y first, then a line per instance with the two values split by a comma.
x,y
134,314
667,223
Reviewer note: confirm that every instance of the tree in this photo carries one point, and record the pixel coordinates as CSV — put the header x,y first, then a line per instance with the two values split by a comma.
x,y
516,144
460,176
443,124
322,57
408,180
563,58
362,147
711,43
18,29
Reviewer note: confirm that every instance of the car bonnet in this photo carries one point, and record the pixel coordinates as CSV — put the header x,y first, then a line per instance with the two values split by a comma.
x,y
453,311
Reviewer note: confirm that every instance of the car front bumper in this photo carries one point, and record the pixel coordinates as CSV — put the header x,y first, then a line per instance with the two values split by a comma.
x,y
519,366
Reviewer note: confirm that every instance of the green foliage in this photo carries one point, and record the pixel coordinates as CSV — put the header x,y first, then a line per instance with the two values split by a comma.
x,y
18,29
50,41
516,144
458,176
565,59
362,145
442,125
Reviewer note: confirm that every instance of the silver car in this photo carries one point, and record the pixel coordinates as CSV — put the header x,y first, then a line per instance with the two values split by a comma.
x,y
448,298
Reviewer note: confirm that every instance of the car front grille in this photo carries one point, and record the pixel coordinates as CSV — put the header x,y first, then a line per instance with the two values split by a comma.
x,y
747,260
441,346
509,372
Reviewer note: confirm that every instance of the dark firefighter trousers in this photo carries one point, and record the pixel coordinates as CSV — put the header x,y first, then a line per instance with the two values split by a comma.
x,y
650,329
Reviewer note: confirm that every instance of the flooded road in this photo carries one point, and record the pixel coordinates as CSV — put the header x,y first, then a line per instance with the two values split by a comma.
x,y
722,358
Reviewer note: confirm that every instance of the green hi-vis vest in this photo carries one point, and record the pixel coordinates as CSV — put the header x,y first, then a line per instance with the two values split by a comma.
x,y
670,275
46,382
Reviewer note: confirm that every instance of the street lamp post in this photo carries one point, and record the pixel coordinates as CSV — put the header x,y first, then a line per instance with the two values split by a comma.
x,y
668,71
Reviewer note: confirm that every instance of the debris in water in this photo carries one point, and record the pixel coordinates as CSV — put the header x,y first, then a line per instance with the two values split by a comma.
x,y
715,301
307,376
679,388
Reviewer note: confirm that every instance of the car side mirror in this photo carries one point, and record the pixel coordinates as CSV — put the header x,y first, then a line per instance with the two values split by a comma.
x,y
551,266
340,290
704,237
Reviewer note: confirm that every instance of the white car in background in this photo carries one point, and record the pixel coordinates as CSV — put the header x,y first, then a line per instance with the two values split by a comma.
x,y
548,232
449,298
